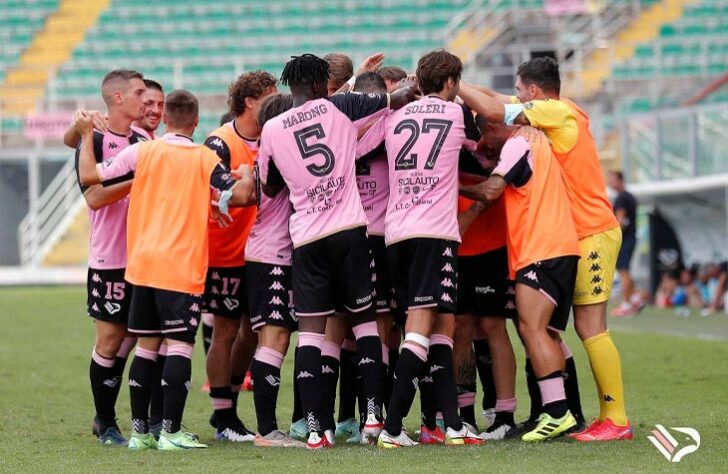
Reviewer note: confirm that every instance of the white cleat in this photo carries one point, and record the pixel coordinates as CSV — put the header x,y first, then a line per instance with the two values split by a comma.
x,y
388,441
462,437
496,434
372,428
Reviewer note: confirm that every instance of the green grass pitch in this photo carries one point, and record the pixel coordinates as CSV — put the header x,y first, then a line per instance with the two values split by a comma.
x,y
675,370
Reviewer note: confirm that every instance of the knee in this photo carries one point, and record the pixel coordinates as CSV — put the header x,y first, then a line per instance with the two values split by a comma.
x,y
588,327
224,332
108,344
493,327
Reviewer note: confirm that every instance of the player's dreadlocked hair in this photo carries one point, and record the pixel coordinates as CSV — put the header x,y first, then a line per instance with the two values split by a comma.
x,y
305,69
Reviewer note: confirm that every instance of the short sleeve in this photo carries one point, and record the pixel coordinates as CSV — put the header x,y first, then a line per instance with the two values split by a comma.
x,y
515,165
98,154
472,132
556,119
357,106
119,168
219,146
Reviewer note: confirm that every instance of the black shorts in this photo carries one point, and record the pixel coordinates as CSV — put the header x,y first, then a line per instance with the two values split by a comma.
x,y
109,295
333,274
424,272
555,279
483,285
629,242
385,299
269,296
165,313
225,292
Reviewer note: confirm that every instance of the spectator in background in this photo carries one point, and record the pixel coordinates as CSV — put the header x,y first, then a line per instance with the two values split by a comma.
x,y
714,285
625,209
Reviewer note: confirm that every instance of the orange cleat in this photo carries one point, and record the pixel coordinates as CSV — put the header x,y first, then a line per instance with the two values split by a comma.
x,y
606,431
594,424
428,436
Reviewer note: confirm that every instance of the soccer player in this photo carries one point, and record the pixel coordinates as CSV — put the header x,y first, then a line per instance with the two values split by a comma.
x,y
233,341
538,103
153,109
392,75
268,267
424,142
109,294
543,252
484,305
168,252
311,150
342,74
625,210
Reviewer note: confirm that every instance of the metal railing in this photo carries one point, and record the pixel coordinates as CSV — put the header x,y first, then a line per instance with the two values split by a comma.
x,y
675,144
49,215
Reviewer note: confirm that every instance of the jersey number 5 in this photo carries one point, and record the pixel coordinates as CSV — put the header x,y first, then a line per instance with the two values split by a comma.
x,y
407,161
310,150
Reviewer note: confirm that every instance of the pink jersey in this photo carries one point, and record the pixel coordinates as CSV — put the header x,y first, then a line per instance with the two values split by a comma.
x,y
108,224
269,240
372,179
311,149
424,140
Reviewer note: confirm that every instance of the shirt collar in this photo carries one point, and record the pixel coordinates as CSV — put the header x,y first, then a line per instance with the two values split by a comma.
x,y
176,137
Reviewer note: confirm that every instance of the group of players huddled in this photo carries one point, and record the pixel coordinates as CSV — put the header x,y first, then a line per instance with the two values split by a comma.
x,y
396,222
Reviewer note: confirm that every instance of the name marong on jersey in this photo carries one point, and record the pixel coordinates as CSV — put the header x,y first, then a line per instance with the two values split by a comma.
x,y
303,116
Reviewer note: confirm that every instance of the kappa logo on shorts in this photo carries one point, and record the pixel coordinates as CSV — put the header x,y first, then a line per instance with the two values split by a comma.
x,y
215,276
195,308
447,283
276,300
446,297
365,361
276,286
511,290
511,305
134,383
193,322
447,252
95,308
593,256
213,304
96,278
95,293
372,264
447,268
275,315
273,381
304,375
597,290
325,369
112,308
215,291
374,277
531,276
277,271
595,268
596,279
231,303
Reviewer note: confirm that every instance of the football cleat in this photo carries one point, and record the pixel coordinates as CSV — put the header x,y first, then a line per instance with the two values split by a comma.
x,y
462,437
520,429
428,436
317,442
155,429
178,441
112,437
236,433
142,441
247,385
596,422
347,428
372,427
388,441
330,438
299,430
606,431
549,427
277,439
497,432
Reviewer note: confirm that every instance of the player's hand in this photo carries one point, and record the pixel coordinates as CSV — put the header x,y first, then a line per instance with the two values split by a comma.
x,y
83,122
242,173
370,64
223,220
101,122
531,134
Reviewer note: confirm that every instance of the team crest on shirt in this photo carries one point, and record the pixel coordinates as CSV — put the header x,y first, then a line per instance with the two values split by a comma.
x,y
112,308
528,105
